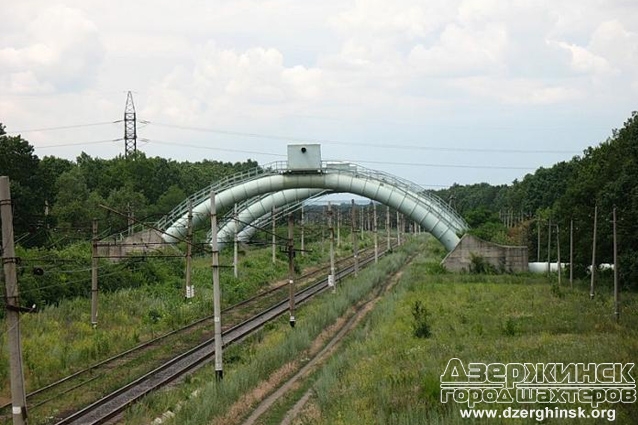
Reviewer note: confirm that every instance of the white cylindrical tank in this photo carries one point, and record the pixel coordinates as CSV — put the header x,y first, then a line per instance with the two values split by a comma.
x,y
541,267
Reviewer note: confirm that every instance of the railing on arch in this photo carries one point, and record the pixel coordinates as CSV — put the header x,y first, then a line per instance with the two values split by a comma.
x,y
418,193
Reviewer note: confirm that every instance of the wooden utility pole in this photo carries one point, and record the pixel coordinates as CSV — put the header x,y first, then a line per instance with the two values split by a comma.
x,y
217,315
332,278
616,294
571,253
355,248
593,257
94,266
189,251
273,233
376,235
18,395
235,243
291,269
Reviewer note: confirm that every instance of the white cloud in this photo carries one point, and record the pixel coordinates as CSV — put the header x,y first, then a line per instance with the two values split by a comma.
x,y
60,50
225,81
519,91
619,45
584,61
333,69
462,51
407,19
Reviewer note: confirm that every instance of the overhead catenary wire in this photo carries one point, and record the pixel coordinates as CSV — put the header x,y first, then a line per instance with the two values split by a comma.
x,y
64,284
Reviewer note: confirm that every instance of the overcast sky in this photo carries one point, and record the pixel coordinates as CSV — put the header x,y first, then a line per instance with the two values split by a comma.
x,y
437,92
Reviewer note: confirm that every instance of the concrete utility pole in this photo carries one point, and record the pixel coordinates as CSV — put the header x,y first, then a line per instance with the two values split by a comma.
x,y
94,266
235,244
332,278
130,218
593,257
616,294
217,315
273,233
376,234
538,242
398,230
339,226
189,250
302,225
18,395
571,253
387,227
549,244
355,248
291,269
558,252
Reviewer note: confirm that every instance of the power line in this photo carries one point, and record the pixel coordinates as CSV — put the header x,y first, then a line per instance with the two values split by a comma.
x,y
162,142
422,164
94,142
63,127
375,145
353,161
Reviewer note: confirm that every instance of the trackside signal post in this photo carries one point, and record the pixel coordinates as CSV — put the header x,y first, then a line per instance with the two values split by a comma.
x,y
18,396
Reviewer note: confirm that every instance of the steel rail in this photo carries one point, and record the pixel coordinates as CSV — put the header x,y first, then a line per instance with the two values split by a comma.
x,y
116,402
153,342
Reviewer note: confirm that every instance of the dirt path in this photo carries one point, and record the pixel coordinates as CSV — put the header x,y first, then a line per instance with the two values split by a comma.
x,y
342,328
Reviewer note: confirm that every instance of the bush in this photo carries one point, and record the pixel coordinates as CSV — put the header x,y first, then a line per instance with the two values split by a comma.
x,y
420,325
479,265
433,267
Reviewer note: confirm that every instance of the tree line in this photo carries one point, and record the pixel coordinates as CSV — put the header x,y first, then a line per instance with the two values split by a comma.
x,y
605,176
58,198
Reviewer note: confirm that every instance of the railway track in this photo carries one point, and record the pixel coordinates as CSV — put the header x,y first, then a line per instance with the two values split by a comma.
x,y
116,402
90,380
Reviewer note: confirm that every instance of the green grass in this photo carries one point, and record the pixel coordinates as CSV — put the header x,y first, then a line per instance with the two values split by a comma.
x,y
386,375
255,359
59,339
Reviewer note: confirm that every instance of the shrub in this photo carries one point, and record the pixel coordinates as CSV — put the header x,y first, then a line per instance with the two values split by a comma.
x,y
420,325
479,265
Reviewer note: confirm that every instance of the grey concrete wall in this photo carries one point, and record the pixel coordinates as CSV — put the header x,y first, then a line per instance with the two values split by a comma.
x,y
140,242
511,259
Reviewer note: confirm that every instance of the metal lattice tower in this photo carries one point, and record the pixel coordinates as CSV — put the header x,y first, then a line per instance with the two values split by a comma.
x,y
130,127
